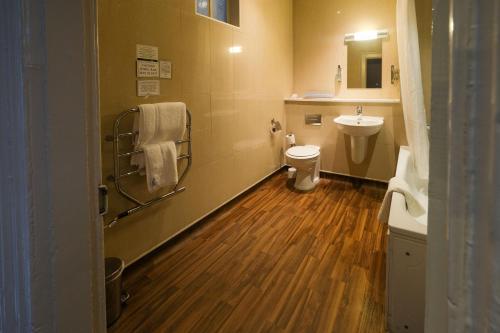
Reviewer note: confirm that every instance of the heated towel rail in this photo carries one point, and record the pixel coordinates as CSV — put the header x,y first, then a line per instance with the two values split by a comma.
x,y
118,176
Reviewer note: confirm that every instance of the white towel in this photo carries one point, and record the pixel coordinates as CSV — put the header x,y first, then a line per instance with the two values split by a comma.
x,y
399,185
161,165
169,155
171,121
145,123
154,166
157,123
163,124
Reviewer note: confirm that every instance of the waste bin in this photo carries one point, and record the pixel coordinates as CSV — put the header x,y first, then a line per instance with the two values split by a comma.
x,y
114,294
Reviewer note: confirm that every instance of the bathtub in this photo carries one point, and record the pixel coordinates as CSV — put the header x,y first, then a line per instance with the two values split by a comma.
x,y
406,254
400,219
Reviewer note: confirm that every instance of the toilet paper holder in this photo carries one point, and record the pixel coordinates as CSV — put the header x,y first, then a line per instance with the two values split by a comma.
x,y
275,126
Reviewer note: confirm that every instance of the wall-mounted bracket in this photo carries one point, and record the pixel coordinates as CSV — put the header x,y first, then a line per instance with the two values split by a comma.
x,y
394,74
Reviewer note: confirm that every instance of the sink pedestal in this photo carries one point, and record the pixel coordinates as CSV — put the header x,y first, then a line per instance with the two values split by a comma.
x,y
359,128
358,148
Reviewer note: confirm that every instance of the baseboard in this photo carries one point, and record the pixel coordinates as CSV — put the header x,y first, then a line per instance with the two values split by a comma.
x,y
186,230
325,172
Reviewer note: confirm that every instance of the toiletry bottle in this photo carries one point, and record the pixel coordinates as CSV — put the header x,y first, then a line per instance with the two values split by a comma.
x,y
338,76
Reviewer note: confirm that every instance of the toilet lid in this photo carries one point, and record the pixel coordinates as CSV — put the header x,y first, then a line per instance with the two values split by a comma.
x,y
303,151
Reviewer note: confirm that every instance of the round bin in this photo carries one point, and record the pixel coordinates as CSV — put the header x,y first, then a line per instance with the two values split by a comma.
x,y
114,269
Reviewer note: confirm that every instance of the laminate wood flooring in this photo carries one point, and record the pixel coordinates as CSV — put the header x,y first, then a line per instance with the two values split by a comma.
x,y
273,260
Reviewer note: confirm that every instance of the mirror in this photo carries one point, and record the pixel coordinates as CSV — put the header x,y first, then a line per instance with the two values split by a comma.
x,y
364,58
364,64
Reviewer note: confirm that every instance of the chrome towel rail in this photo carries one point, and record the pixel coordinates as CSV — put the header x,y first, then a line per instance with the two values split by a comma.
x,y
118,176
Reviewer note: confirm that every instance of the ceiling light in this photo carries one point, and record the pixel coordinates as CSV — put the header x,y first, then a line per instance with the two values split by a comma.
x,y
235,49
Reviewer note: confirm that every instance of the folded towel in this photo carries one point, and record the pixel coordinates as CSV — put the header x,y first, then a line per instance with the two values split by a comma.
x,y
159,126
154,166
145,123
312,95
161,165
171,121
157,123
169,155
400,186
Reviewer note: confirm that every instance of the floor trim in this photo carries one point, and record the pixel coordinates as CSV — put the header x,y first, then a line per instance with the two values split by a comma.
x,y
323,173
326,174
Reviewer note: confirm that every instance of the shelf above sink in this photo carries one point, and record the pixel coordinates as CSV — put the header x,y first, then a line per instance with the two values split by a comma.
x,y
335,100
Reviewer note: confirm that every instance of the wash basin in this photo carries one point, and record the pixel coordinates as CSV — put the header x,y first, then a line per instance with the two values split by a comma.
x,y
359,128
359,125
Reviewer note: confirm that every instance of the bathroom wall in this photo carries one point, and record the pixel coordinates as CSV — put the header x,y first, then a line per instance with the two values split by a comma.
x,y
232,97
319,29
424,22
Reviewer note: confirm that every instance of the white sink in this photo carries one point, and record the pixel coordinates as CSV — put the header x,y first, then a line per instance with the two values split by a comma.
x,y
359,128
359,125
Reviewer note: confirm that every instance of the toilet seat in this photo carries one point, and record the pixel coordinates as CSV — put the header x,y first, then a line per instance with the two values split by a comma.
x,y
303,152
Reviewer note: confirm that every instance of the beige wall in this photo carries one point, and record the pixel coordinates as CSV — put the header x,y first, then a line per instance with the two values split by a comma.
x,y
319,29
424,23
233,98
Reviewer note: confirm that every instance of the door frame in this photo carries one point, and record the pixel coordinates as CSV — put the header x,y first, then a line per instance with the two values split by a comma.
x,y
364,58
51,235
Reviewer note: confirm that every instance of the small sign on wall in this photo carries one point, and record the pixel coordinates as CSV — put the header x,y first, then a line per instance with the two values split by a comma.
x,y
148,87
146,52
147,68
165,69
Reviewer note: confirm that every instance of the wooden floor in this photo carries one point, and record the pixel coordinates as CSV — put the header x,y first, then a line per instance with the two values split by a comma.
x,y
274,260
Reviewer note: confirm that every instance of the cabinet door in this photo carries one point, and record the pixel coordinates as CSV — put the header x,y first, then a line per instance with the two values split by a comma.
x,y
406,285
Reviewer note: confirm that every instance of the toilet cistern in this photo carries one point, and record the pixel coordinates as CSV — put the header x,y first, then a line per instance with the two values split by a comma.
x,y
359,128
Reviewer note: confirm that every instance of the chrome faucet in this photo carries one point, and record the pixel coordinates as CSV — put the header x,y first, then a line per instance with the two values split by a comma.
x,y
359,110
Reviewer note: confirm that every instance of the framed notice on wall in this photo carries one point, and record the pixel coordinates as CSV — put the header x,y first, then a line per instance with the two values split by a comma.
x,y
147,68
165,69
148,87
146,52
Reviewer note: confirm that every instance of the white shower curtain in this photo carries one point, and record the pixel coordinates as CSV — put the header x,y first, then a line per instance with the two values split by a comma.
x,y
411,86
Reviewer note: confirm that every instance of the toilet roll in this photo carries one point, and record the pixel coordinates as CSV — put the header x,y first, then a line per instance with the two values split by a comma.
x,y
290,139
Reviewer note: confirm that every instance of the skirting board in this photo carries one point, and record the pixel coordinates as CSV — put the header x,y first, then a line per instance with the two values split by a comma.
x,y
351,176
347,175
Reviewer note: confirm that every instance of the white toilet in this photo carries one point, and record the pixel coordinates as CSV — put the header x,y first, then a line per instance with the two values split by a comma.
x,y
306,159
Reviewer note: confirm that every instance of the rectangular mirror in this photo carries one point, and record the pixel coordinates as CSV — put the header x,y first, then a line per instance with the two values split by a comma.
x,y
364,64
